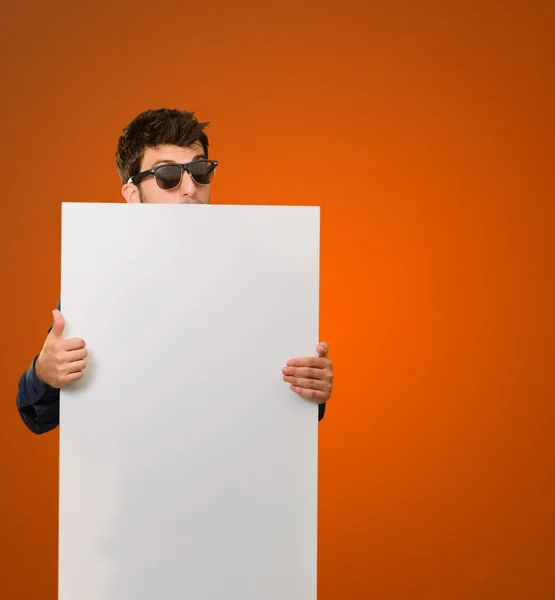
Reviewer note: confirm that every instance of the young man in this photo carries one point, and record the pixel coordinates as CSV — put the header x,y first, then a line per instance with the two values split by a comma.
x,y
162,157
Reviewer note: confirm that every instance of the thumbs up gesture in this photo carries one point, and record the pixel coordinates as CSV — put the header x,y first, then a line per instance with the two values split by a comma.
x,y
60,361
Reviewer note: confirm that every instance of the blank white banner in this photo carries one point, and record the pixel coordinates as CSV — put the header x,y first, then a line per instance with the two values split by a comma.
x,y
188,468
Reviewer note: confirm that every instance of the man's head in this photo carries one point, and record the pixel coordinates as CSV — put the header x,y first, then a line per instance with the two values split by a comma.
x,y
158,138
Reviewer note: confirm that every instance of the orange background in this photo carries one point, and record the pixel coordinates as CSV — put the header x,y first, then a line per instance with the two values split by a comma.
x,y
425,130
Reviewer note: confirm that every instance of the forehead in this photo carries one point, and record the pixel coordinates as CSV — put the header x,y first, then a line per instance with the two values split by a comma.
x,y
171,153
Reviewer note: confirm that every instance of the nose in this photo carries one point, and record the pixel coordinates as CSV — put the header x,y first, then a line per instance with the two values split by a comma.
x,y
188,187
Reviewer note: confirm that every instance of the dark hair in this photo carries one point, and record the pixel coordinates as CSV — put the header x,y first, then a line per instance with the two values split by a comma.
x,y
153,128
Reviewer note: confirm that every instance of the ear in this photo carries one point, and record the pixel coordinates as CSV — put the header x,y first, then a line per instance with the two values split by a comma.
x,y
131,193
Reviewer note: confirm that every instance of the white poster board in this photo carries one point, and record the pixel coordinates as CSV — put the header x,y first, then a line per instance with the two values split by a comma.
x,y
188,468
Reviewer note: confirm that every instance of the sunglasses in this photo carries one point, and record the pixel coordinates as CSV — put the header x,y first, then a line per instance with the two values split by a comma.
x,y
169,176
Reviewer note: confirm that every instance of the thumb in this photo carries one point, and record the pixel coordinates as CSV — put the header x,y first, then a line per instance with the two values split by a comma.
x,y
59,324
322,349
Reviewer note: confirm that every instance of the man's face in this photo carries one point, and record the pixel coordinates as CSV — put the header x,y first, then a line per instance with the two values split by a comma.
x,y
188,192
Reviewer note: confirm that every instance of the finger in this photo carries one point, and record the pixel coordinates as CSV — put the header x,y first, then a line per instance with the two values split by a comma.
x,y
315,395
309,361
59,324
307,372
73,355
322,348
72,377
75,367
309,384
72,344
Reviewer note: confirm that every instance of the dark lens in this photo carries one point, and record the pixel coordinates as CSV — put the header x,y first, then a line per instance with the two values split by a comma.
x,y
168,176
202,171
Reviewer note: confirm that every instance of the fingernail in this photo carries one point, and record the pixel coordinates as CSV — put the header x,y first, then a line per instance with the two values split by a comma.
x,y
289,363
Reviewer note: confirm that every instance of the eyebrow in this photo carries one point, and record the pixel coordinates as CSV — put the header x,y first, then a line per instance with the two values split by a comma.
x,y
173,162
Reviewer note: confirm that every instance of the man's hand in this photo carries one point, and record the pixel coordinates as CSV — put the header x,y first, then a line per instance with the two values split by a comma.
x,y
311,377
60,361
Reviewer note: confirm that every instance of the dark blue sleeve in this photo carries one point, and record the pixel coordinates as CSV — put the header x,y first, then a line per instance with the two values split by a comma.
x,y
321,411
38,403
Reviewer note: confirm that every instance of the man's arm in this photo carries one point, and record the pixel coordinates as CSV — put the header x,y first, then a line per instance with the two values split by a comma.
x,y
37,402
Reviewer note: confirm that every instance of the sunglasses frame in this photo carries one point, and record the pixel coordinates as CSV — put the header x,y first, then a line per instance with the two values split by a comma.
x,y
182,167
